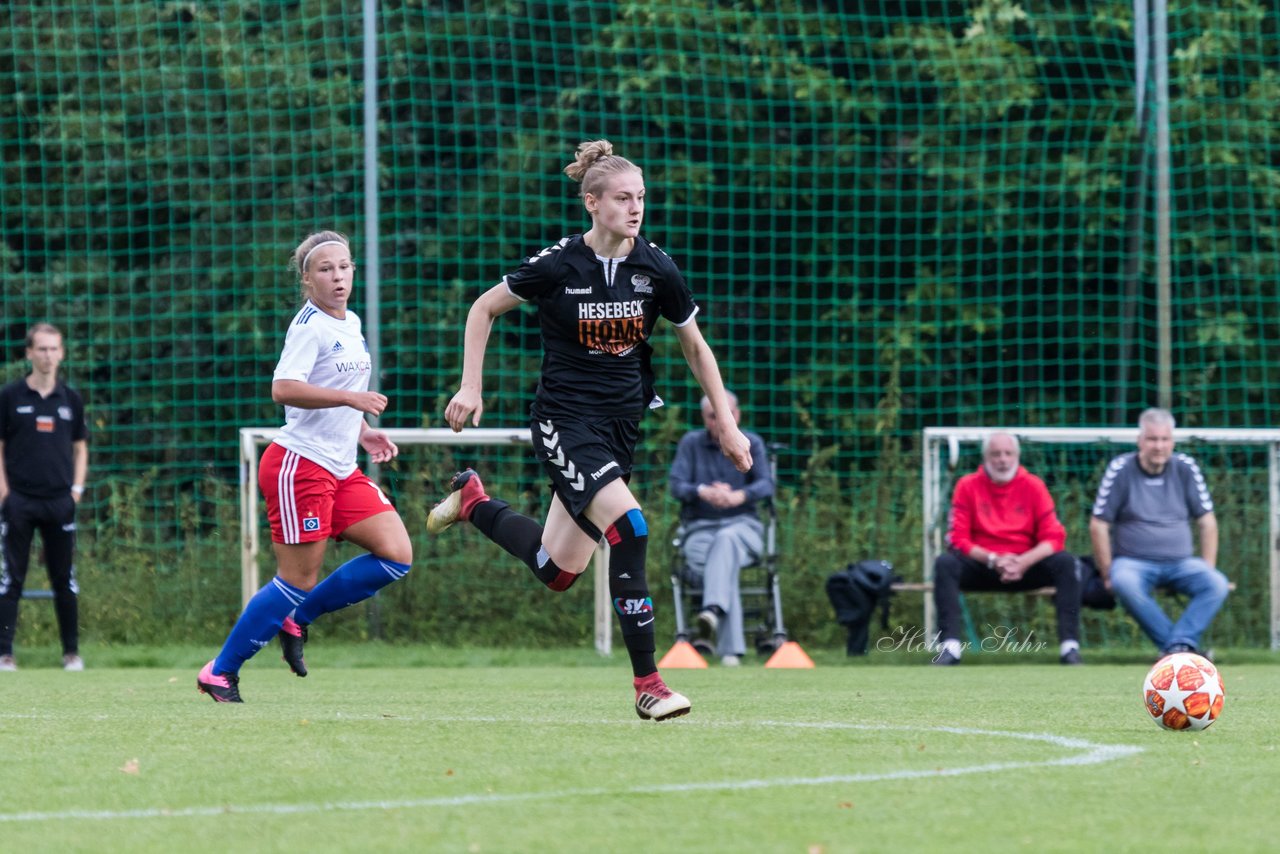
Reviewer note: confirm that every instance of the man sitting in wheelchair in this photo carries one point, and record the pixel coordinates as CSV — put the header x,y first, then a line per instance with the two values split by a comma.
x,y
721,530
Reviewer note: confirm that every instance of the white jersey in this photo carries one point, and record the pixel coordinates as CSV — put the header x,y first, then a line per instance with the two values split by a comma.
x,y
323,351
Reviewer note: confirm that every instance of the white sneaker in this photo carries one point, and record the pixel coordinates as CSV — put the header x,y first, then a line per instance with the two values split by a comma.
x,y
7,663
72,663
731,661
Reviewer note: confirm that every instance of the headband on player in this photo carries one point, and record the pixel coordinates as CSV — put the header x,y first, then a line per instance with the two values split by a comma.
x,y
307,257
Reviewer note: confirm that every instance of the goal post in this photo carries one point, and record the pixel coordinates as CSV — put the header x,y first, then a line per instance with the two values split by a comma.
x,y
1246,454
253,439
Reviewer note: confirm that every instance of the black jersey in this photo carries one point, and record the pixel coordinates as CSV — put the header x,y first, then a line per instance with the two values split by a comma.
x,y
38,434
596,316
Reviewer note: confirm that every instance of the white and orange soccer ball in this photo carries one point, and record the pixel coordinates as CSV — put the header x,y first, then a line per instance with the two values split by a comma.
x,y
1183,691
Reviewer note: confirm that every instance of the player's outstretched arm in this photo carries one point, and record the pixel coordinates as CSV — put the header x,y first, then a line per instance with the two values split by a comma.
x,y
468,403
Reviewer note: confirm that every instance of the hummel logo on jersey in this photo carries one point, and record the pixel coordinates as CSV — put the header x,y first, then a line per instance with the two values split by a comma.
x,y
577,291
337,347
641,284
599,473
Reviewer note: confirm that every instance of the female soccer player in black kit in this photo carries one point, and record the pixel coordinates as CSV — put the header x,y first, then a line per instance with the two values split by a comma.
x,y
598,296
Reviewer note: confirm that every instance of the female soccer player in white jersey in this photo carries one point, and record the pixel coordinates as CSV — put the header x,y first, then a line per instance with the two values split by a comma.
x,y
598,296
313,487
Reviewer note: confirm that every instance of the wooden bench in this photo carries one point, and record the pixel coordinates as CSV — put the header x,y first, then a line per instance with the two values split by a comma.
x,y
926,587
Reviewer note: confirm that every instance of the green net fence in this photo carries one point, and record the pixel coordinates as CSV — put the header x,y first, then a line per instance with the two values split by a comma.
x,y
892,214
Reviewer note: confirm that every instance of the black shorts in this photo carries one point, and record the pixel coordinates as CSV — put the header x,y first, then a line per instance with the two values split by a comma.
x,y
581,456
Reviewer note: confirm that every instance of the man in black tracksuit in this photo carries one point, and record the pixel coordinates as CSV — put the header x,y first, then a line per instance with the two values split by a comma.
x,y
45,449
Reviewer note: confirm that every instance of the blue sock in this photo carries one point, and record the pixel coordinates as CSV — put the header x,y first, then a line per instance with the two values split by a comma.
x,y
258,624
354,581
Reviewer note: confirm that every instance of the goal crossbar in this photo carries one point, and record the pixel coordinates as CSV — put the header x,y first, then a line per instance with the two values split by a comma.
x,y
254,438
935,466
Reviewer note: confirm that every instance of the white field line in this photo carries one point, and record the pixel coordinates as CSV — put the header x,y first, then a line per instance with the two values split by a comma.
x,y
1085,753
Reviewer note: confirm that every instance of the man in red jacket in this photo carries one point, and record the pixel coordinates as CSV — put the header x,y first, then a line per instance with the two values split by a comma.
x,y
1004,535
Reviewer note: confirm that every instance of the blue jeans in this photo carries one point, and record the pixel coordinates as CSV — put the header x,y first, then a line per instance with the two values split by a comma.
x,y
1133,580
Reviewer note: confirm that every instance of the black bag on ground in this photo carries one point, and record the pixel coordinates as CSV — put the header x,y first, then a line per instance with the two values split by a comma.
x,y
1093,593
855,592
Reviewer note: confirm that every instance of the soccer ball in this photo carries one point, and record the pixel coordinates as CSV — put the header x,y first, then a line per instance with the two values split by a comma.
x,y
1183,691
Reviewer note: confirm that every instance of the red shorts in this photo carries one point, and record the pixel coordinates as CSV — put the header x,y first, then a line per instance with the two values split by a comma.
x,y
305,502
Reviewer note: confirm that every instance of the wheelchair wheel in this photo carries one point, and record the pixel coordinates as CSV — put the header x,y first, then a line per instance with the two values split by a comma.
x,y
767,646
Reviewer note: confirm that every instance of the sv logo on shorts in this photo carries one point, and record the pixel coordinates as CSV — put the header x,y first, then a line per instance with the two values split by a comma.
x,y
311,523
633,607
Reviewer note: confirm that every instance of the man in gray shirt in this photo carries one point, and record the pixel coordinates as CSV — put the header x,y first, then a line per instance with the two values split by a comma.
x,y
721,527
1142,537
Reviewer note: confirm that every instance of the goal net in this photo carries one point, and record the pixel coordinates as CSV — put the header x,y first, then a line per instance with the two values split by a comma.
x,y
450,596
1241,466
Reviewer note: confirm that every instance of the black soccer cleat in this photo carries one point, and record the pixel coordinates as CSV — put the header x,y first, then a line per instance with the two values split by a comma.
x,y
293,637
222,687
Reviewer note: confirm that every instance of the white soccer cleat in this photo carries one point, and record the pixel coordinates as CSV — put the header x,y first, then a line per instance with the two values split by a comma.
x,y
655,701
72,663
445,513
465,492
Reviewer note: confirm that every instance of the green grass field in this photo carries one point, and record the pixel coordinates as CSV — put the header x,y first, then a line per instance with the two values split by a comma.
x,y
417,749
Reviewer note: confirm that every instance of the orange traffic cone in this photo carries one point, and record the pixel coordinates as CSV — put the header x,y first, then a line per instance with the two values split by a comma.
x,y
682,654
790,655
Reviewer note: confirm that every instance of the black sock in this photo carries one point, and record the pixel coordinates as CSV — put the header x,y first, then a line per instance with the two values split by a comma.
x,y
515,532
629,543
522,538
